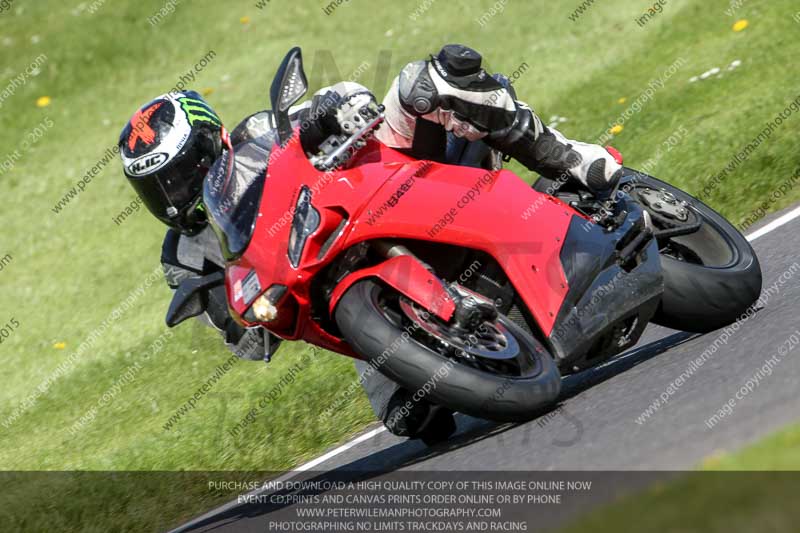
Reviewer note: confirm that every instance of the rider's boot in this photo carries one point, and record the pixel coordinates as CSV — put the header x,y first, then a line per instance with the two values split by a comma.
x,y
406,416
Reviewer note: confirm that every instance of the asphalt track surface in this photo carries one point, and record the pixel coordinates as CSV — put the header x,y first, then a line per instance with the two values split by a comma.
x,y
595,426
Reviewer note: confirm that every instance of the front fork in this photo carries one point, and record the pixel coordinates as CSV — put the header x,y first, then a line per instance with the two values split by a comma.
x,y
471,308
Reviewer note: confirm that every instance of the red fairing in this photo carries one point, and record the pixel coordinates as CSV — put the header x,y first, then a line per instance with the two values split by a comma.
x,y
384,194
495,212
410,278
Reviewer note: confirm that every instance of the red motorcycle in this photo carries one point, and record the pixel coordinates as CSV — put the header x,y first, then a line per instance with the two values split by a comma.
x,y
458,281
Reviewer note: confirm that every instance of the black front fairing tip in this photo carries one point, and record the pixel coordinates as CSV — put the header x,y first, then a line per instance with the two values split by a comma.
x,y
609,302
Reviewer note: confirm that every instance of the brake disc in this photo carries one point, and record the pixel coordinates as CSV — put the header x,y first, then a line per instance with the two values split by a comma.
x,y
489,341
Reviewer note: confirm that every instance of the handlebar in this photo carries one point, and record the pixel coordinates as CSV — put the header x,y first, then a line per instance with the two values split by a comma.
x,y
342,152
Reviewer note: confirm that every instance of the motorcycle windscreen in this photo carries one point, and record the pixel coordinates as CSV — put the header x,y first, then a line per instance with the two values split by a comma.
x,y
232,193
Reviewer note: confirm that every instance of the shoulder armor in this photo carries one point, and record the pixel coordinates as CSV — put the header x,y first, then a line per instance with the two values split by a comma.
x,y
418,93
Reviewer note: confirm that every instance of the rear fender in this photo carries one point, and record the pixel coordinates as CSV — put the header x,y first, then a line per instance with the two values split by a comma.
x,y
409,277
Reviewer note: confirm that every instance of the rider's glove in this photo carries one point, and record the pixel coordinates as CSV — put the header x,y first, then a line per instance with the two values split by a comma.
x,y
356,110
356,115
319,121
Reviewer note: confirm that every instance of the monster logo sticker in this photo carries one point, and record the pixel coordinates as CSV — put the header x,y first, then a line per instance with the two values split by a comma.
x,y
198,111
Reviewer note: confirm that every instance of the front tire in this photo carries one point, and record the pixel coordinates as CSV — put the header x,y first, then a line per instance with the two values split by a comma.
x,y
378,331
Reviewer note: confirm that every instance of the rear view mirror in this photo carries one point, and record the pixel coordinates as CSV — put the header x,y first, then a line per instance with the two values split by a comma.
x,y
191,297
288,87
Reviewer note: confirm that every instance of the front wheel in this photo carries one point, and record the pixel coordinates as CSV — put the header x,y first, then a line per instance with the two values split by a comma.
x,y
497,371
711,276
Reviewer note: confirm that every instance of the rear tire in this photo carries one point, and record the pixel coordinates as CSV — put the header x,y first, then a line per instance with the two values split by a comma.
x,y
704,297
463,388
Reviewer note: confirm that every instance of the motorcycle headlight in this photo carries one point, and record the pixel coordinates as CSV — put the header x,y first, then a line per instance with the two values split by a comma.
x,y
264,307
306,221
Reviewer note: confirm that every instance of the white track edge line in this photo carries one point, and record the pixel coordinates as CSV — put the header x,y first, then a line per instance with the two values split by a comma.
x,y
775,224
287,476
343,448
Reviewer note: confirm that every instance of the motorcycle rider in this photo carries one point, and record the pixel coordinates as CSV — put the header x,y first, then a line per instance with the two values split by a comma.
x,y
452,90
169,145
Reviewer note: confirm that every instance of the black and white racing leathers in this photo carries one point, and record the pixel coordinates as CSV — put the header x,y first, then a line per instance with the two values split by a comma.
x,y
453,90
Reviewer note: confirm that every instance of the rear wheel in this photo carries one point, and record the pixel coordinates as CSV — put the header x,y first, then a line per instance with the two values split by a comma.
x,y
495,371
711,276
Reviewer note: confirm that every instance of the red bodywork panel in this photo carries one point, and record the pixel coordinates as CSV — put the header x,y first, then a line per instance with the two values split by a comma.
x,y
410,278
385,194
